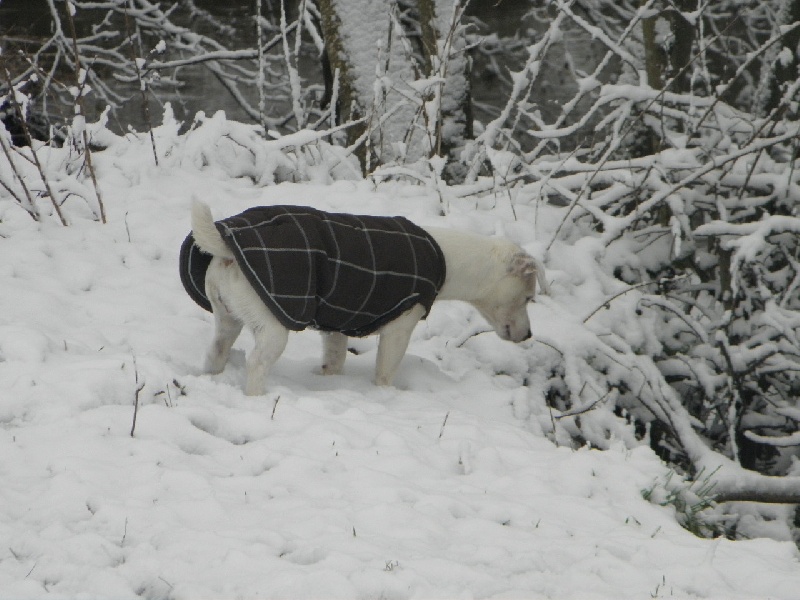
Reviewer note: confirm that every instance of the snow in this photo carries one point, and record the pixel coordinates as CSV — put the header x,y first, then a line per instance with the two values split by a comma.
x,y
445,486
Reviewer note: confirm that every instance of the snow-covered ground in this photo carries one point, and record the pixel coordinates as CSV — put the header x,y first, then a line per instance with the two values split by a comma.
x,y
444,486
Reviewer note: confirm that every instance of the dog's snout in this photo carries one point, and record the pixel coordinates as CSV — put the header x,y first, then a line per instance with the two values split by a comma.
x,y
514,333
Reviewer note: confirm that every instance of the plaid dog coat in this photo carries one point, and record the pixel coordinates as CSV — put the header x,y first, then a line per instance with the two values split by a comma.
x,y
330,271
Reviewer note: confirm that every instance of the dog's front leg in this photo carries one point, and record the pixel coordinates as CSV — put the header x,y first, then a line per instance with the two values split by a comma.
x,y
393,343
270,343
334,352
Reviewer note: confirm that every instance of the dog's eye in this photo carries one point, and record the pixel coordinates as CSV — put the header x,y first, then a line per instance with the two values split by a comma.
x,y
529,299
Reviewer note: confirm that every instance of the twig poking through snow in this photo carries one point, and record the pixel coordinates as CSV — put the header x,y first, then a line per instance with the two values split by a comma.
x,y
124,533
23,123
137,63
274,406
583,409
139,388
441,431
80,115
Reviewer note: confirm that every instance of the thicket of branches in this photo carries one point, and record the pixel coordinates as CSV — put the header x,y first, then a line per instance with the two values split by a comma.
x,y
674,153
688,182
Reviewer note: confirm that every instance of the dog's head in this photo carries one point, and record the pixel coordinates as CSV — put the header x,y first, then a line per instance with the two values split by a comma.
x,y
506,309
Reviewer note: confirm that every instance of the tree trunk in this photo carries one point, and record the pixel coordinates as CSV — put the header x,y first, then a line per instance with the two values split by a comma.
x,y
654,65
374,73
681,51
336,67
444,45
653,56
781,64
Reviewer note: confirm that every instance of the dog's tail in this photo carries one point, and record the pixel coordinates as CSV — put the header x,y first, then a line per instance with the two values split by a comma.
x,y
205,232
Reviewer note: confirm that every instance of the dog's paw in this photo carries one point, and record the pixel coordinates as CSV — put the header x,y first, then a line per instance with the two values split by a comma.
x,y
331,369
213,368
254,390
383,381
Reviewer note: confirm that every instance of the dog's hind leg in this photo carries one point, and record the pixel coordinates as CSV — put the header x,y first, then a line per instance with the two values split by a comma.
x,y
334,352
271,338
394,338
226,330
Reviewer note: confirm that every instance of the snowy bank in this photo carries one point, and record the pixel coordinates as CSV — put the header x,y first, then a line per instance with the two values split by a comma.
x,y
449,485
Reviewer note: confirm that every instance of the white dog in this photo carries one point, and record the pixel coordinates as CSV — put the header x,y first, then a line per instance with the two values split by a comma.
x,y
494,275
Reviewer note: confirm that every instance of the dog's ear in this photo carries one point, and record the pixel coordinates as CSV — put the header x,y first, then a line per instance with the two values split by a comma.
x,y
523,265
